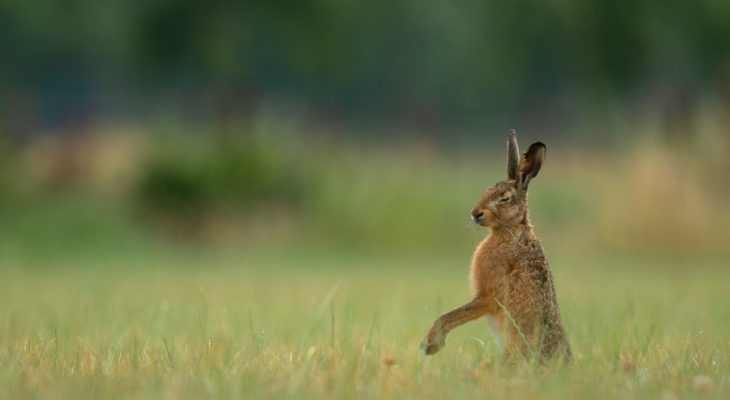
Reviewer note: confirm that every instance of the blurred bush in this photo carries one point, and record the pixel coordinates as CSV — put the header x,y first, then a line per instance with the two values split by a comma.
x,y
255,187
187,181
244,173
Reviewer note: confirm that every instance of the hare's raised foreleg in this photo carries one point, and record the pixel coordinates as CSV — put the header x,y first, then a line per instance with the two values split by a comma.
x,y
436,338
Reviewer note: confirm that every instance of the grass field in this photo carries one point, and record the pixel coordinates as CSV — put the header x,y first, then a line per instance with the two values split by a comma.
x,y
330,295
251,327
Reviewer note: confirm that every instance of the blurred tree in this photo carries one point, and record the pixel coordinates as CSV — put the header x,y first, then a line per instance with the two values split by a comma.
x,y
423,60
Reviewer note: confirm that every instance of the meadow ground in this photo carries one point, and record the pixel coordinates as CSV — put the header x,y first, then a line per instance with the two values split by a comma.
x,y
350,328
329,296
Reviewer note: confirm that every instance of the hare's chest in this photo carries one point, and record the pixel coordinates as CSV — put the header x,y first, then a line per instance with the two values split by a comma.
x,y
489,266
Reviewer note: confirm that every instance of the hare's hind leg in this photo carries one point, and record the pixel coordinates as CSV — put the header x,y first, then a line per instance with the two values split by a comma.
x,y
436,337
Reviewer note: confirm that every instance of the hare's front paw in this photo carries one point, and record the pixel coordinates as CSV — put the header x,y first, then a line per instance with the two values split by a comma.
x,y
433,342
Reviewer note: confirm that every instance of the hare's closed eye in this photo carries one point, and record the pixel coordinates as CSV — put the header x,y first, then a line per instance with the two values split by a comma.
x,y
506,199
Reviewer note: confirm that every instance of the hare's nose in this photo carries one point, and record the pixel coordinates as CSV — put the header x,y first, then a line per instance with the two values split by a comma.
x,y
477,216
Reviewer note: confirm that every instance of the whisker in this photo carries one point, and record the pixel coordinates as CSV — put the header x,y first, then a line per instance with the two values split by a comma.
x,y
501,225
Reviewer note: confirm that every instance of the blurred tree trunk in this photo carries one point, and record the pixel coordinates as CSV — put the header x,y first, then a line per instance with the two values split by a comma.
x,y
678,110
225,115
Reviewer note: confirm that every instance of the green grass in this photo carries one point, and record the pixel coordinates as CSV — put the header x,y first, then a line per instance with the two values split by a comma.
x,y
350,328
97,301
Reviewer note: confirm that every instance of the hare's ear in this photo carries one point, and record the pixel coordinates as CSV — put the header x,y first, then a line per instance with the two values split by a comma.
x,y
530,164
513,155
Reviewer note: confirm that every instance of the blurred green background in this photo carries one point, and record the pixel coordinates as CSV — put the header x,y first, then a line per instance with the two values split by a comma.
x,y
132,127
270,198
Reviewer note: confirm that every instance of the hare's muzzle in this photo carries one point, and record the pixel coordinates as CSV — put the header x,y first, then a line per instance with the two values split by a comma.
x,y
478,217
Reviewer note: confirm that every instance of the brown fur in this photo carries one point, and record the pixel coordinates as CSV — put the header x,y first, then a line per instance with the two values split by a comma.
x,y
510,275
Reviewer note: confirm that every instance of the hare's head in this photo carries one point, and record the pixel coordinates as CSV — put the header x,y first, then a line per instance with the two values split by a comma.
x,y
505,203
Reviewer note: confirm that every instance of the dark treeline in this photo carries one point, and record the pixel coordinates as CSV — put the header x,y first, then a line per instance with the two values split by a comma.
x,y
65,62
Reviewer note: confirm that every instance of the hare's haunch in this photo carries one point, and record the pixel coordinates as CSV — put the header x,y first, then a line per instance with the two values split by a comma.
x,y
510,275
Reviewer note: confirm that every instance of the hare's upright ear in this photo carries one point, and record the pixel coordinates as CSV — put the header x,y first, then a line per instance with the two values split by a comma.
x,y
513,155
530,164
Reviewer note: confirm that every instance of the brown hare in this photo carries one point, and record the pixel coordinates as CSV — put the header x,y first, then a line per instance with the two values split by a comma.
x,y
510,275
